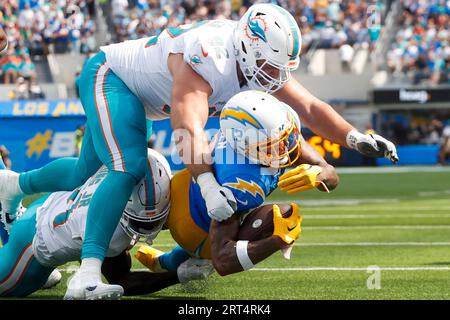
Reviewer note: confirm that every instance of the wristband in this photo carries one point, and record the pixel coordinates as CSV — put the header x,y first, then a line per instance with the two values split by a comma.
x,y
352,138
206,181
242,254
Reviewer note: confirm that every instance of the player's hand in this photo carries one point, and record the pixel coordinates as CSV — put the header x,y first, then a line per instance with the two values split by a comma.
x,y
220,201
301,178
288,229
194,269
372,145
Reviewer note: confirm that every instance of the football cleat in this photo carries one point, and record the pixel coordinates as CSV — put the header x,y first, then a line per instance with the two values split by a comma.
x,y
53,279
99,291
85,286
149,257
7,219
10,194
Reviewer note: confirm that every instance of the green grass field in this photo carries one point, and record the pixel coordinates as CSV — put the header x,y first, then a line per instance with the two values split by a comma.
x,y
397,221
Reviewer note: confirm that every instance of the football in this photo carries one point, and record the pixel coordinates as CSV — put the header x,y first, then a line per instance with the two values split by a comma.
x,y
258,224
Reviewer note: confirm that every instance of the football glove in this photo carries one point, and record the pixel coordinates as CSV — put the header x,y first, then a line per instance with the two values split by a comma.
x,y
220,201
301,178
372,145
288,229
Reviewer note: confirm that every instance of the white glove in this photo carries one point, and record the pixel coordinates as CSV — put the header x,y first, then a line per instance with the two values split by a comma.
x,y
195,269
220,201
372,145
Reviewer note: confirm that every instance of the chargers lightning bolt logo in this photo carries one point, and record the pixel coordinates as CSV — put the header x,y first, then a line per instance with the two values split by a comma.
x,y
241,116
245,186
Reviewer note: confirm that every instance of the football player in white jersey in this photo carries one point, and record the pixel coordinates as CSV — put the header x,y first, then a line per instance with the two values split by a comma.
x,y
186,74
50,233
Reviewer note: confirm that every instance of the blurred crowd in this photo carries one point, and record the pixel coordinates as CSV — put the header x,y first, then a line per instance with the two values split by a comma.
x,y
323,23
37,27
417,129
422,45
407,130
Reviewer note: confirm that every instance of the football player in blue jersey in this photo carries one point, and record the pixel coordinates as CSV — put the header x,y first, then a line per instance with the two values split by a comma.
x,y
259,138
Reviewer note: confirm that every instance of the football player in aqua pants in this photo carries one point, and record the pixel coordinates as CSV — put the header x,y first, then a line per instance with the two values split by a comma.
x,y
51,230
252,171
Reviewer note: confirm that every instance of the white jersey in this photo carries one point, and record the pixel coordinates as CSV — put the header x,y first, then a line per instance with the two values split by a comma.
x,y
61,222
206,46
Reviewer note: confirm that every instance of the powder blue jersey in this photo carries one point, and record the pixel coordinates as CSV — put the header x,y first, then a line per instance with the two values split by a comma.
x,y
250,183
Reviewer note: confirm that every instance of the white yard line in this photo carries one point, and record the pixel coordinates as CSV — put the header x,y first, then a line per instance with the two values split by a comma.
x,y
396,169
400,227
345,244
369,268
338,202
433,193
355,269
378,208
370,244
375,216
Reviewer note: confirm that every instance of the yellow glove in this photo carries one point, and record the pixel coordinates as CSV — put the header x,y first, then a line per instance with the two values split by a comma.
x,y
288,229
303,177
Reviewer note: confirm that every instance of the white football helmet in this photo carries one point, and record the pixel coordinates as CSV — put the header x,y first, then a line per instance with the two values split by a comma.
x,y
261,128
268,42
149,204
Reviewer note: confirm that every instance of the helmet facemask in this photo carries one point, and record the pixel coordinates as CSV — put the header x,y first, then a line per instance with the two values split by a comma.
x,y
147,228
279,151
149,203
266,76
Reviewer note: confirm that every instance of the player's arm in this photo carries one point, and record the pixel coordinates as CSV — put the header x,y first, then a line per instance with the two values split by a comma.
x,y
224,238
314,113
3,41
117,270
189,113
327,177
320,117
